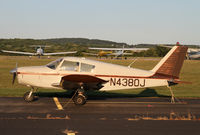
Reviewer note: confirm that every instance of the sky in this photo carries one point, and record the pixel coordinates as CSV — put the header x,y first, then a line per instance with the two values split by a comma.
x,y
129,21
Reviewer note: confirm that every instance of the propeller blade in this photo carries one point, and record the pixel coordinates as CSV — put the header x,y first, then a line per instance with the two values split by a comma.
x,y
14,76
14,72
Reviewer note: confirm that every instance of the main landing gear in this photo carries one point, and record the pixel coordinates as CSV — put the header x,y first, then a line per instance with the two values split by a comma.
x,y
29,96
79,98
172,95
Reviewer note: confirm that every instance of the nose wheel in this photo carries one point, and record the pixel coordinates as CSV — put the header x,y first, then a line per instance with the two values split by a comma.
x,y
29,96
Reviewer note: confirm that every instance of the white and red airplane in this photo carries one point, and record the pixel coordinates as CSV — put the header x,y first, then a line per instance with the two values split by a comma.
x,y
80,75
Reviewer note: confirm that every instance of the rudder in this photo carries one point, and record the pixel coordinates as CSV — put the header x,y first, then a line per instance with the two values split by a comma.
x,y
170,65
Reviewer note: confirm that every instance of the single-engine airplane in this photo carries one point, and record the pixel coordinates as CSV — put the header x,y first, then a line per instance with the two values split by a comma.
x,y
80,75
39,52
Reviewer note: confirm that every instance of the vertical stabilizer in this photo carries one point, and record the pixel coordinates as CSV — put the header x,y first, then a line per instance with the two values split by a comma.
x,y
171,64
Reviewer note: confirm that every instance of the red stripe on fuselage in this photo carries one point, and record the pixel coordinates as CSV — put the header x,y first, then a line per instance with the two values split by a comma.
x,y
28,73
115,76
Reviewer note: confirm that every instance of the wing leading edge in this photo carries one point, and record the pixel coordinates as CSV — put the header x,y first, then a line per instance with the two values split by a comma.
x,y
119,49
17,52
57,53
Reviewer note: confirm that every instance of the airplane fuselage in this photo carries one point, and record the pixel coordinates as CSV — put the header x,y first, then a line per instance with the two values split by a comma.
x,y
39,51
118,77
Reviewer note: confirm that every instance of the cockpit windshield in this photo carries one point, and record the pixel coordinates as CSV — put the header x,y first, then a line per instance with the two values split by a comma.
x,y
54,64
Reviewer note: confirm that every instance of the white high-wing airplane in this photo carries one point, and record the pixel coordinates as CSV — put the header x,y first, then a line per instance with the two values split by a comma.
x,y
118,51
39,52
80,75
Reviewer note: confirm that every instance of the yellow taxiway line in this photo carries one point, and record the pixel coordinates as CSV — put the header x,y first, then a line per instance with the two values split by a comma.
x,y
59,106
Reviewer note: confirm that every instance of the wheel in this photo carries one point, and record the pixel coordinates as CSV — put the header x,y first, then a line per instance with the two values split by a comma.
x,y
28,98
79,100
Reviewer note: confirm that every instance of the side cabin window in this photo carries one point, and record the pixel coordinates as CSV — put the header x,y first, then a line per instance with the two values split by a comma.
x,y
86,67
69,66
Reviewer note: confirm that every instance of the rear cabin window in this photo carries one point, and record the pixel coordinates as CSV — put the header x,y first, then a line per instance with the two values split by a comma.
x,y
86,67
69,66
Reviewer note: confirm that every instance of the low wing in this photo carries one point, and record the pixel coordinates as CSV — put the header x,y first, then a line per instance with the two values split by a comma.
x,y
138,49
127,53
16,52
121,54
167,46
93,54
57,53
72,82
119,49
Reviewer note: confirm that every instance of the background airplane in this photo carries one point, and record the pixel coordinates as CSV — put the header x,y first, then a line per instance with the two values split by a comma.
x,y
39,51
193,53
117,51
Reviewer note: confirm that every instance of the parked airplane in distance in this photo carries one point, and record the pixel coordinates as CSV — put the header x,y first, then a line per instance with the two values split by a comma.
x,y
80,75
192,53
39,52
117,51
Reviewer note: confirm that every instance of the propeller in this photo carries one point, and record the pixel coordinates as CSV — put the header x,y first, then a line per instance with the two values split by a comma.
x,y
14,72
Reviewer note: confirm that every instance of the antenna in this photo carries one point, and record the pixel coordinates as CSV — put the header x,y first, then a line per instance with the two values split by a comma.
x,y
133,62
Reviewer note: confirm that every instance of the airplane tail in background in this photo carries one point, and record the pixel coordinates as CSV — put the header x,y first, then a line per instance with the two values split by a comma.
x,y
170,65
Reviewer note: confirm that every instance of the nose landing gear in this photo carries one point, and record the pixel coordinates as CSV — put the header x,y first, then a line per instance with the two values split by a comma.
x,y
29,96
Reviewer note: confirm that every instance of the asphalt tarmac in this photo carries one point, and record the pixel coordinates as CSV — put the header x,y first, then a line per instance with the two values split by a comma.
x,y
113,116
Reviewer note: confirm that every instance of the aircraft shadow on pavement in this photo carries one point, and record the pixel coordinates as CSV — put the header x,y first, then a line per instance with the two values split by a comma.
x,y
101,95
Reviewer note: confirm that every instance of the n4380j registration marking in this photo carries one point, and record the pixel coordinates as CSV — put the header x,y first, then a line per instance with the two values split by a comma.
x,y
127,82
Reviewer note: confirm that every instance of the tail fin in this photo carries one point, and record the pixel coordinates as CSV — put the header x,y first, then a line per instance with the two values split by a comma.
x,y
171,64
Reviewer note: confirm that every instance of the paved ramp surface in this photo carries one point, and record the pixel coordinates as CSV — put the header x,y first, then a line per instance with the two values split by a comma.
x,y
58,116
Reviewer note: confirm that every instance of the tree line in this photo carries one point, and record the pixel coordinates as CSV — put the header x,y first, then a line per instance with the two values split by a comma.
x,y
78,44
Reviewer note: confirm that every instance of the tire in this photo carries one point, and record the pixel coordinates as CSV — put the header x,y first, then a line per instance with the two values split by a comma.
x,y
27,98
79,100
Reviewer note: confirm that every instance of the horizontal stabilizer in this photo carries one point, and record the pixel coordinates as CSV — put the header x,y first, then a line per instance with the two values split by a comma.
x,y
183,82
